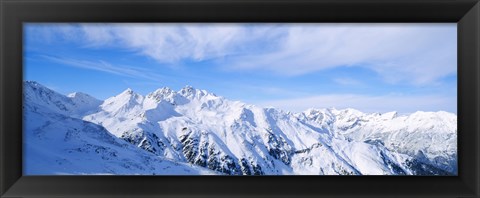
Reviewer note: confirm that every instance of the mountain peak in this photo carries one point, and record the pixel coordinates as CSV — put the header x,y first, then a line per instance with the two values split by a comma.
x,y
75,104
128,91
187,90
79,95
161,91
34,84
347,111
314,111
389,115
31,82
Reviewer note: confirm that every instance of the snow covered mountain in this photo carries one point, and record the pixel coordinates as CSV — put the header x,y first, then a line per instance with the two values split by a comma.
x,y
430,137
193,132
56,142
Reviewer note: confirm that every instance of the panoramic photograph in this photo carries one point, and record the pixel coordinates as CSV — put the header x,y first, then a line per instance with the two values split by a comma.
x,y
240,99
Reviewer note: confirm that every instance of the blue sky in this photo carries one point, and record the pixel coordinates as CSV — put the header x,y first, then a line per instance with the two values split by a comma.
x,y
370,67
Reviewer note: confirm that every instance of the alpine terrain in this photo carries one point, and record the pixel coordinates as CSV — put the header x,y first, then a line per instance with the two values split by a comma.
x,y
194,132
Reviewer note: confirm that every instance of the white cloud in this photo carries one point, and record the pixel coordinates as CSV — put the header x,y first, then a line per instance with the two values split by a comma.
x,y
170,43
367,103
103,66
413,53
348,81
97,35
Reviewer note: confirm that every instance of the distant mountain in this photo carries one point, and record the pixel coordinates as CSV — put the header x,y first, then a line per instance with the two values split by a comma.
x,y
192,131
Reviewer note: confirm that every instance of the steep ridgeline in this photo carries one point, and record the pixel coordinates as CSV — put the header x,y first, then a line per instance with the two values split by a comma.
x,y
428,138
199,131
57,142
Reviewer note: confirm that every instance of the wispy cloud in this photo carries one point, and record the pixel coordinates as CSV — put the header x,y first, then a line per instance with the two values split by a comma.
x,y
348,81
368,103
104,66
165,43
416,54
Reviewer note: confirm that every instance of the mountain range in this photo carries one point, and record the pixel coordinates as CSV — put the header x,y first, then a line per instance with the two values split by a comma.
x,y
195,132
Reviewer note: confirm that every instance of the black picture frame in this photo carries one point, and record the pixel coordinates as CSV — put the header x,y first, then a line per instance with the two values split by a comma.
x,y
466,13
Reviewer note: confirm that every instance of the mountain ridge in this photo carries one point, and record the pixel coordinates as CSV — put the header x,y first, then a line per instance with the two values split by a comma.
x,y
230,137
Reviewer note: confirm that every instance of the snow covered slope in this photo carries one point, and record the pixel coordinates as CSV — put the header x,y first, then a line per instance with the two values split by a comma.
x,y
430,137
195,128
56,143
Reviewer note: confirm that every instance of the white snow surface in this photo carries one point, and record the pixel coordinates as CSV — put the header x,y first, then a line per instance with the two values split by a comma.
x,y
195,132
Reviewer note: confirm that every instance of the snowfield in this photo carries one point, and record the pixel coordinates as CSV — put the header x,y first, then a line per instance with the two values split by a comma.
x,y
194,132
